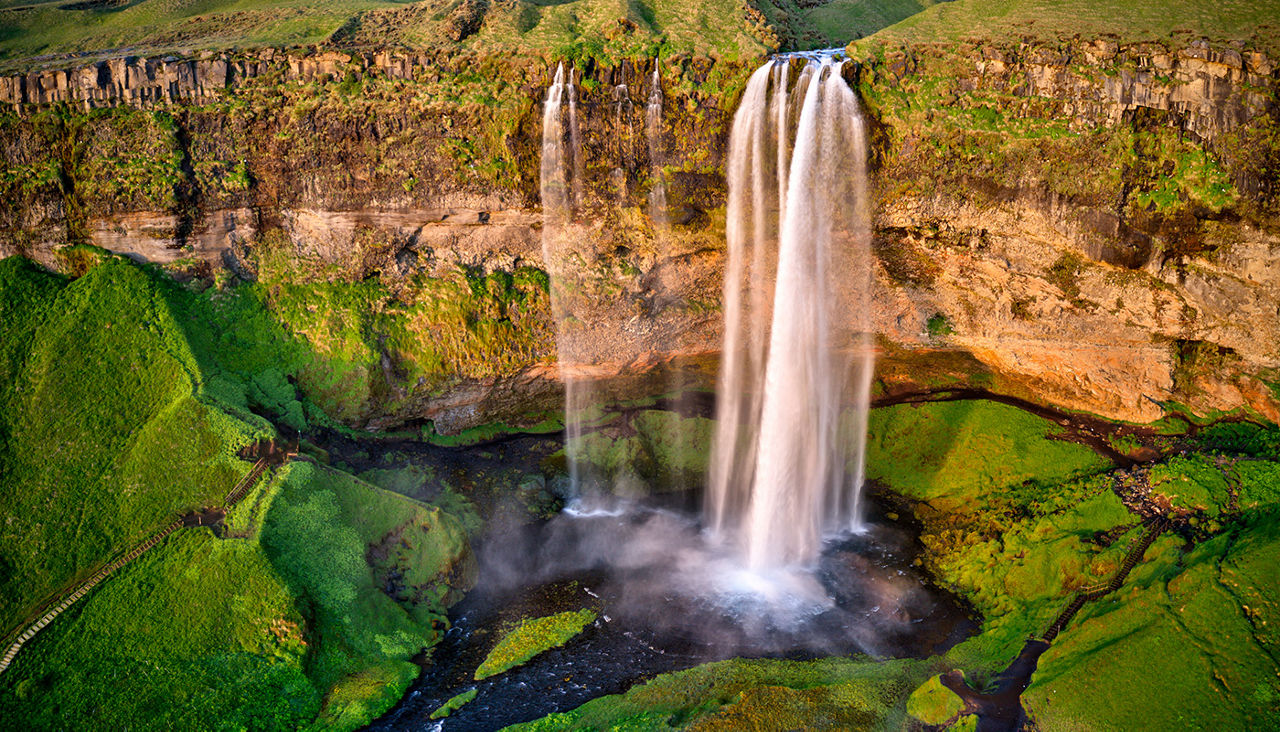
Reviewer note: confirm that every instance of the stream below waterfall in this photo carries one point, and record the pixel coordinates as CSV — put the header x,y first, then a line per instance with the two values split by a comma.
x,y
652,620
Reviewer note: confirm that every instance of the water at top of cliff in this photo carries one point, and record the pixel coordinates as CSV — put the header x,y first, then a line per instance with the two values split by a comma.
x,y
653,134
795,375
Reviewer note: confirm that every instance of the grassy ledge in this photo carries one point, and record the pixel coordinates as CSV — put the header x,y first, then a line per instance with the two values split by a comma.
x,y
532,637
454,704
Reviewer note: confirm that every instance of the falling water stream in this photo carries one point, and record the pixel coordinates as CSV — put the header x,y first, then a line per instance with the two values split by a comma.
x,y
653,134
797,359
561,190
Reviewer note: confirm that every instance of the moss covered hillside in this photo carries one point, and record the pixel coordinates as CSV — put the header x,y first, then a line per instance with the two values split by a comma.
x,y
595,28
115,420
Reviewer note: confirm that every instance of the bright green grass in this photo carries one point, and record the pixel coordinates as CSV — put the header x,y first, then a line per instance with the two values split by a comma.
x,y
532,637
1050,20
1196,632
581,28
318,533
933,703
944,452
573,28
196,634
1017,549
111,424
283,626
42,28
1008,512
1191,483
599,29
455,703
845,20
105,435
831,693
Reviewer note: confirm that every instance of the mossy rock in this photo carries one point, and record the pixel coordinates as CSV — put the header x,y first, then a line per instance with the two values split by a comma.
x,y
532,637
454,704
932,703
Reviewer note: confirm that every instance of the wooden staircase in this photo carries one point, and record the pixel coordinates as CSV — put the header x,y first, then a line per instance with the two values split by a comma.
x,y
232,497
1093,592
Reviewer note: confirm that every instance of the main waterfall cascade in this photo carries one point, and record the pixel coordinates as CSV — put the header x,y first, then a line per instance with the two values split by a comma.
x,y
795,378
787,454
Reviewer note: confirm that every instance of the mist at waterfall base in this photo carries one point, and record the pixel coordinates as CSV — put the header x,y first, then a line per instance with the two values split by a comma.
x,y
667,600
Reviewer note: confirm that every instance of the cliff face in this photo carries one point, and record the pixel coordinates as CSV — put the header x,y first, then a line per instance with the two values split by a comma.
x,y
1094,225
1097,223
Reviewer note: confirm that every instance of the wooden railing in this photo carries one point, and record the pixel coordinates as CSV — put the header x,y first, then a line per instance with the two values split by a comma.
x,y
233,497
1095,591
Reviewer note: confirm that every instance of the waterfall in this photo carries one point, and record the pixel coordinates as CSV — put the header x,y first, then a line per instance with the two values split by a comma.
x,y
554,188
622,132
795,380
653,134
561,193
575,140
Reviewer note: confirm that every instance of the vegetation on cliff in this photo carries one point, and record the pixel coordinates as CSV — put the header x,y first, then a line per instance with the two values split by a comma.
x,y
1058,171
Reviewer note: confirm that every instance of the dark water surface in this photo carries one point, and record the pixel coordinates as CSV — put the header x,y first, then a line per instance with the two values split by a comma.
x,y
668,601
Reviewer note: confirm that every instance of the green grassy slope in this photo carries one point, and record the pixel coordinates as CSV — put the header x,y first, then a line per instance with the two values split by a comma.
x,y
34,28
197,633
281,625
949,450
602,29
1257,21
843,20
111,421
1191,624
104,437
1195,631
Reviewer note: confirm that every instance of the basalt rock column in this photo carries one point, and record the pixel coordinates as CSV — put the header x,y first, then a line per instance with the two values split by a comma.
x,y
795,378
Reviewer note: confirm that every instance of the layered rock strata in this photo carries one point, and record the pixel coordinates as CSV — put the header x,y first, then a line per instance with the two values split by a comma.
x,y
1091,225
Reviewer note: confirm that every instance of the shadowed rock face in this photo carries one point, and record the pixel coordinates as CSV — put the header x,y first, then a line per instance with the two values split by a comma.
x,y
1054,268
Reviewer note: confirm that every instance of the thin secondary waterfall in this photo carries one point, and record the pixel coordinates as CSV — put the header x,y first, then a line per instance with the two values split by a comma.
x,y
575,138
561,192
787,458
653,135
622,131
